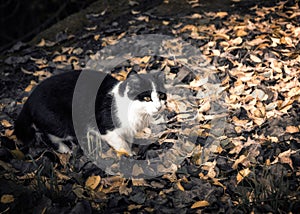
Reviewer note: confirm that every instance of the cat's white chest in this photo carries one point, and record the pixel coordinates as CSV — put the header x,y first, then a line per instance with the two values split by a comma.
x,y
130,114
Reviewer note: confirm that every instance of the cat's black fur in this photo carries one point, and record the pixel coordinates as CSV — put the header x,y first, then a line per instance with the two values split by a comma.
x,y
49,108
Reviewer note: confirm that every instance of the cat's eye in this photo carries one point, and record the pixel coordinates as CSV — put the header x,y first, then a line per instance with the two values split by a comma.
x,y
147,99
163,96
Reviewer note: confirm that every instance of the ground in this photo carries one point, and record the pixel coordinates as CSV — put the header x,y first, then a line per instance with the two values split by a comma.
x,y
244,152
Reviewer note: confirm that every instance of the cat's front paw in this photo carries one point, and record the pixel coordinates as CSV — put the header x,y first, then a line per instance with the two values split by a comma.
x,y
118,144
124,152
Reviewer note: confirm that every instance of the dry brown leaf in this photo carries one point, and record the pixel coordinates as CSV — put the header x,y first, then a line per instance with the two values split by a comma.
x,y
97,37
18,154
241,159
198,82
124,190
60,58
285,157
7,199
200,204
62,176
221,14
8,133
239,122
30,86
134,12
180,187
165,22
241,32
110,184
139,182
222,35
143,18
137,170
6,123
133,207
255,58
210,167
204,107
242,174
145,59
43,43
292,129
216,182
93,181
171,177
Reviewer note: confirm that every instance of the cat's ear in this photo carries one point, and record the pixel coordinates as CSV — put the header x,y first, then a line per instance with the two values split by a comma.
x,y
132,73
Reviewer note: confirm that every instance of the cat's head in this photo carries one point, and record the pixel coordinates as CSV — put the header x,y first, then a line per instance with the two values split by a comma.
x,y
146,91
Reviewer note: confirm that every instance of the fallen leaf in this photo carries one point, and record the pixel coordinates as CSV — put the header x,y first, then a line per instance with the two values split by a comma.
x,y
134,206
180,187
7,199
200,204
96,37
241,32
221,14
30,86
139,182
242,174
255,58
6,123
93,181
60,58
285,157
134,12
292,129
18,154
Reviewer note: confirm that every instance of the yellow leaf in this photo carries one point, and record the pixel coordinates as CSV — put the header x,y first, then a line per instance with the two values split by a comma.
x,y
60,58
6,123
221,14
93,181
41,43
292,129
241,159
122,152
8,133
200,204
29,87
6,199
165,22
241,32
133,207
242,174
134,12
96,37
180,186
285,157
145,59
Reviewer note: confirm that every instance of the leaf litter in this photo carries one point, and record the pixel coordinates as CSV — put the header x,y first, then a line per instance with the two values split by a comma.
x,y
249,165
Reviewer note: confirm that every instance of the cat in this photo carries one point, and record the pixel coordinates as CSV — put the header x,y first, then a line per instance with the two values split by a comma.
x,y
122,108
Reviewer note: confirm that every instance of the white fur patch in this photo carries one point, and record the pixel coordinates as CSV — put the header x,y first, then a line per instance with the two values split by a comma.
x,y
133,116
62,148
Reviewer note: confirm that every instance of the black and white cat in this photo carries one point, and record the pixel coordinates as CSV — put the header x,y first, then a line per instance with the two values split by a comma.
x,y
121,109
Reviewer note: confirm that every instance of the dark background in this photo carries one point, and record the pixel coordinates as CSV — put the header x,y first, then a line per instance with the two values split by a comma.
x,y
23,19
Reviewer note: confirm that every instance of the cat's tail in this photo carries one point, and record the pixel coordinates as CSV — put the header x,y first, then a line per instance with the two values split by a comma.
x,y
24,127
